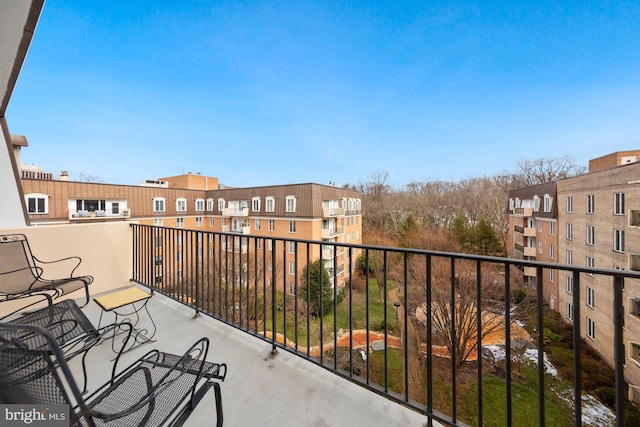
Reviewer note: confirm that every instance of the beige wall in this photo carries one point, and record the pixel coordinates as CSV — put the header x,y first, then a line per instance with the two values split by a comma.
x,y
105,249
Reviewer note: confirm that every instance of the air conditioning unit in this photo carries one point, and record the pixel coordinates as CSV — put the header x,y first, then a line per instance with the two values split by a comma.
x,y
126,213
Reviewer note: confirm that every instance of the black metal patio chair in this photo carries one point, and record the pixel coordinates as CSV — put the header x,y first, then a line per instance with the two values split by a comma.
x,y
74,333
22,275
158,389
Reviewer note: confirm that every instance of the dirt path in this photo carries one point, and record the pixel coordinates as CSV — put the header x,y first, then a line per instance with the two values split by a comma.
x,y
393,297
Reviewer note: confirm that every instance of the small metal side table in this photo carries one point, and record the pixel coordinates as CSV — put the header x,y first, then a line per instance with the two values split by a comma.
x,y
128,304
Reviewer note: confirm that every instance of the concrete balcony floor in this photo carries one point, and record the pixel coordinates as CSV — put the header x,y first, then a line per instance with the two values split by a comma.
x,y
261,390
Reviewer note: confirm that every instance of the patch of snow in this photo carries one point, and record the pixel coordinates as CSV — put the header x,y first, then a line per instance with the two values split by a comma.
x,y
498,352
594,412
532,354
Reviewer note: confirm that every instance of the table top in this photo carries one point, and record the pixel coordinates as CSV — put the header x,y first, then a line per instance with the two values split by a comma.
x,y
121,298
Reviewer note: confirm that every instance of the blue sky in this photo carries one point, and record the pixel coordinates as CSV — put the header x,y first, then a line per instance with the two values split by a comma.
x,y
276,92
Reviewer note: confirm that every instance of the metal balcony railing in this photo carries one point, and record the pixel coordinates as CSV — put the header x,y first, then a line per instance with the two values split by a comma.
x,y
410,325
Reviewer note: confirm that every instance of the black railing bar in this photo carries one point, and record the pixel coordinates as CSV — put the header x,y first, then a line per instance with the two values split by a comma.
x,y
405,326
284,293
295,290
274,348
452,308
577,343
308,280
350,313
335,310
429,328
385,290
541,365
479,338
618,319
507,343
264,285
321,263
366,311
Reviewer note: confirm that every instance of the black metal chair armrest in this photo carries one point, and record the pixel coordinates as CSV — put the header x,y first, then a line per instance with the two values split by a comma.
x,y
75,258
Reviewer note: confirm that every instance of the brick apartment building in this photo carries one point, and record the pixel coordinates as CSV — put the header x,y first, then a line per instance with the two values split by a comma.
x,y
598,225
195,202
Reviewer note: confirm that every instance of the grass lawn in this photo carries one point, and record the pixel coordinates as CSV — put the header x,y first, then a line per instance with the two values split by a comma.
x,y
358,316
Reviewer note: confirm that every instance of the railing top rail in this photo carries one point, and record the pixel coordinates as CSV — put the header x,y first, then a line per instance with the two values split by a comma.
x,y
425,252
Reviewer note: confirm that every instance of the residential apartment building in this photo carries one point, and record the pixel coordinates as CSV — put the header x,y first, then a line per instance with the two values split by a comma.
x,y
597,225
195,202
533,235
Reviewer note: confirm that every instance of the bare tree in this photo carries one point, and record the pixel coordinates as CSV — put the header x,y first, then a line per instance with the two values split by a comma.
x,y
539,171
86,177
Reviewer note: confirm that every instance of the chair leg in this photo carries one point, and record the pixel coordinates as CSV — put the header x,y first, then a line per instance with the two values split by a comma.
x,y
218,393
87,298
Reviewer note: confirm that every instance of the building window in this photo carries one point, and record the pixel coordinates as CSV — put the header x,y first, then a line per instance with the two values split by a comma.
x,y
220,205
270,204
570,285
179,222
199,205
552,253
618,204
211,221
536,203
181,205
115,208
569,204
158,204
209,205
548,201
290,204
552,228
257,224
255,204
292,288
198,221
292,226
569,231
292,267
635,352
158,241
591,328
272,225
37,203
158,279
540,246
292,247
591,262
552,275
569,256
158,222
570,311
590,297
618,240
591,235
269,245
590,203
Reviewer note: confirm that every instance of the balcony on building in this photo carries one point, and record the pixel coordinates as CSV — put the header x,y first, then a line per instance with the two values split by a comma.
x,y
526,212
235,212
328,233
265,372
328,212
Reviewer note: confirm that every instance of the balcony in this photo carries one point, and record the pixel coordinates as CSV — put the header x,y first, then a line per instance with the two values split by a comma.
x,y
328,233
99,215
530,272
280,374
523,212
530,231
529,251
237,229
329,212
235,212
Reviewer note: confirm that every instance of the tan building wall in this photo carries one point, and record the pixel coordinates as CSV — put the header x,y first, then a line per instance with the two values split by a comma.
x,y
297,211
614,159
587,206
